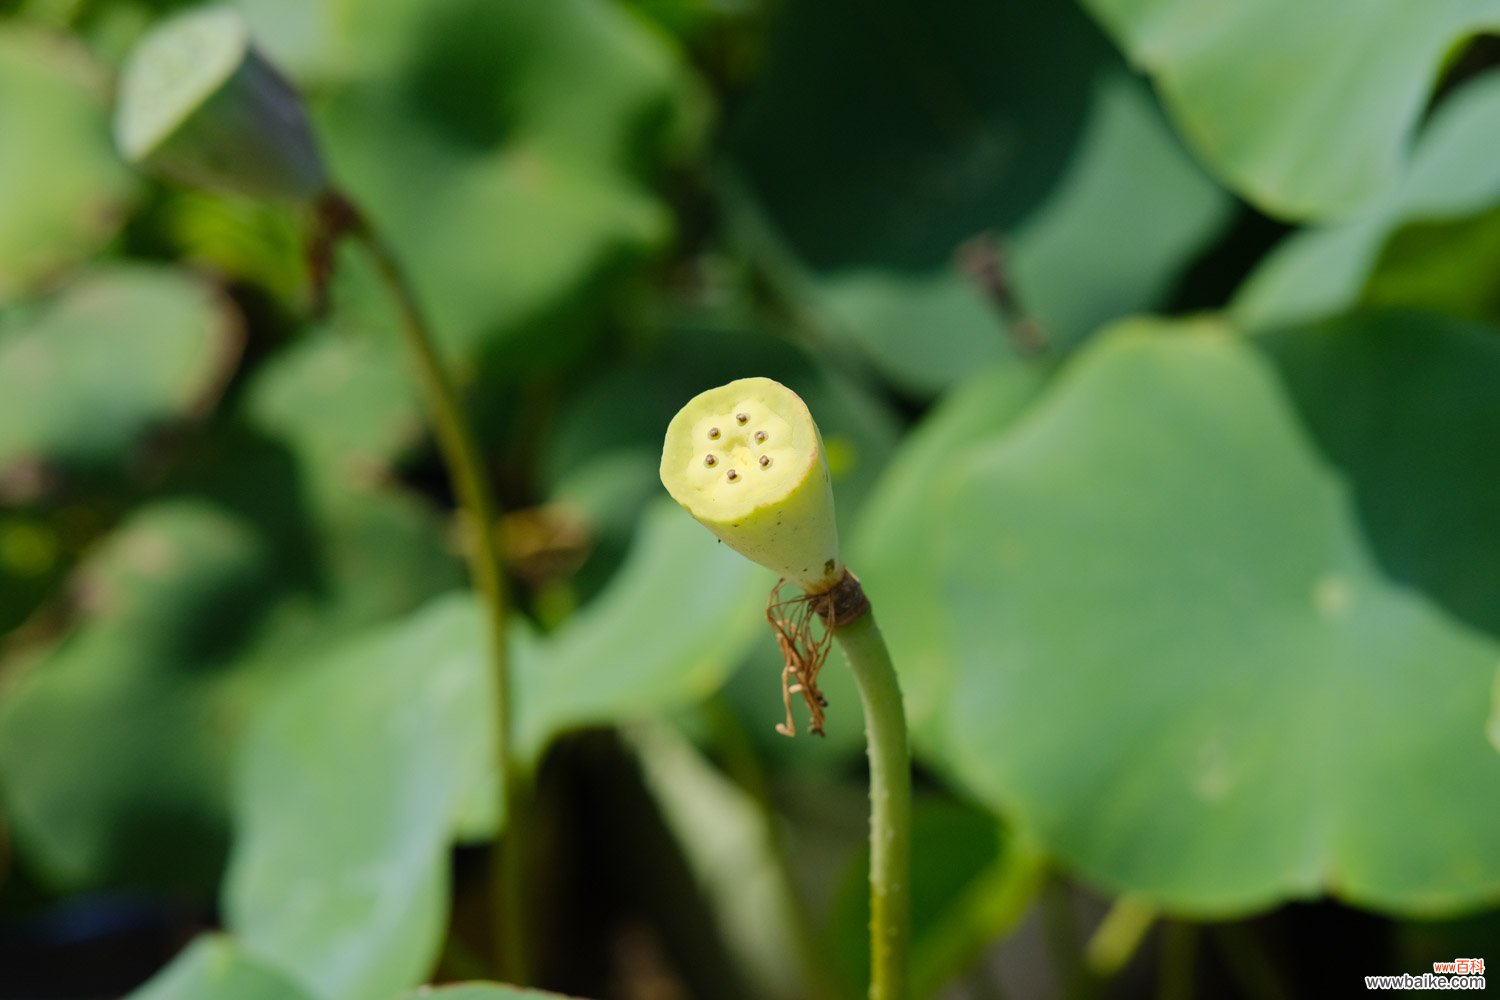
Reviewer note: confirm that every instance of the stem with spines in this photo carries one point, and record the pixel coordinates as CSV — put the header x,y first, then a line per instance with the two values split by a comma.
x,y
890,797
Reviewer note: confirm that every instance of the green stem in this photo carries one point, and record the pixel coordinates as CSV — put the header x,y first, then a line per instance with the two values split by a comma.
x,y
465,465
890,805
1119,936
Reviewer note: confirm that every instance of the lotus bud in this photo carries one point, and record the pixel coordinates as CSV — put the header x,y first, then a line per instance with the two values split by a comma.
x,y
200,104
747,461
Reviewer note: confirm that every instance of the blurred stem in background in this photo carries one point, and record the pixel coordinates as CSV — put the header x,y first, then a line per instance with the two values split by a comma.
x,y
339,215
1119,936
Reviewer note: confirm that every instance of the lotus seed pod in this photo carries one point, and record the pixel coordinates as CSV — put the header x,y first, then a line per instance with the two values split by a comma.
x,y
199,104
747,461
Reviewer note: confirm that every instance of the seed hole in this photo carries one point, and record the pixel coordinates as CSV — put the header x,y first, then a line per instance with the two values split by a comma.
x,y
731,475
710,461
713,434
743,418
760,437
765,461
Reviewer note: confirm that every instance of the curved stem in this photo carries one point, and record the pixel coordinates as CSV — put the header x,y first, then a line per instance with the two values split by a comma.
x,y
890,804
465,465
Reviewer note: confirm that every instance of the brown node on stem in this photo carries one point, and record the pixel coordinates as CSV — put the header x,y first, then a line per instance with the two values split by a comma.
x,y
334,217
803,648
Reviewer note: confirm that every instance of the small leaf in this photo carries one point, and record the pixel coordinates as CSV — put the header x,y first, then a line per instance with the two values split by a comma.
x,y
119,351
67,190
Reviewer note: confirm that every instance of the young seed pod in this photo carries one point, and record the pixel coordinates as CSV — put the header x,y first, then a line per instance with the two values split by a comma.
x,y
767,494
199,104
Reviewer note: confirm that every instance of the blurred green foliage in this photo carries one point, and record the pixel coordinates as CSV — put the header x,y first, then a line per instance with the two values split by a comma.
x,y
1179,521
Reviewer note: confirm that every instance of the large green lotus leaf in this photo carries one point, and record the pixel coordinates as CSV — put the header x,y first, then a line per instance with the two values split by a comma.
x,y
1305,108
504,157
1184,669
892,549
1451,175
66,190
1404,404
115,742
120,350
346,801
216,966
890,149
359,776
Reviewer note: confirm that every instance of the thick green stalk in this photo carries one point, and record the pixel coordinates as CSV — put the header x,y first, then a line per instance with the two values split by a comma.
x,y
465,465
890,805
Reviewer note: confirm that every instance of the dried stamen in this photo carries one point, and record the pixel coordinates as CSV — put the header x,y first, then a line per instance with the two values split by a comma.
x,y
803,651
710,461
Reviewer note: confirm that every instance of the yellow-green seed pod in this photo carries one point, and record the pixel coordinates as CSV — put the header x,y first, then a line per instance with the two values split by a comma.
x,y
199,104
747,461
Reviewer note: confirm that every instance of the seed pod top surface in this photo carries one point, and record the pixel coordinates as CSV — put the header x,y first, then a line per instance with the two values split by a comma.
x,y
199,103
747,461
